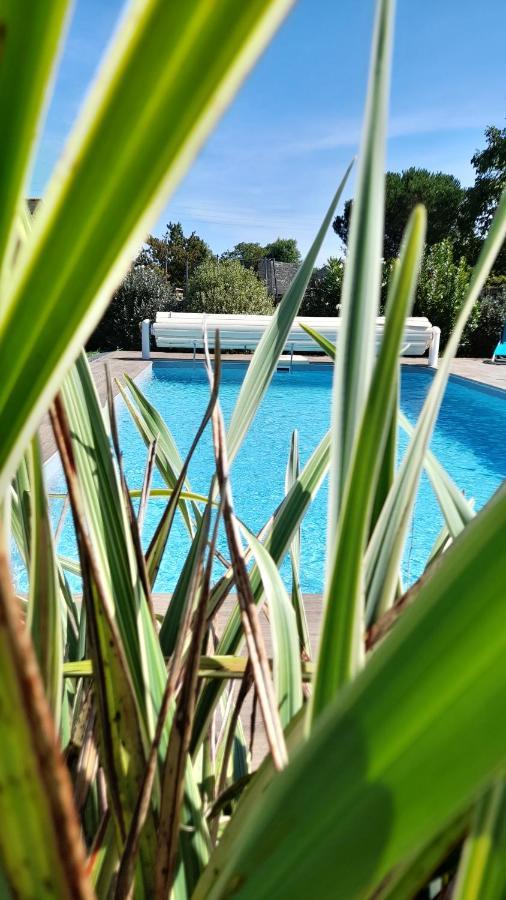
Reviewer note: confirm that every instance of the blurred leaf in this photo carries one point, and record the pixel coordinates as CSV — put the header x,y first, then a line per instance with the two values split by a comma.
x,y
29,40
412,876
123,160
434,686
41,853
482,870
44,612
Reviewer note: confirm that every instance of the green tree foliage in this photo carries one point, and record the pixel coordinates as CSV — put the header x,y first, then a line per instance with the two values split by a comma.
x,y
482,198
440,193
143,293
283,250
324,290
441,289
248,253
176,254
226,287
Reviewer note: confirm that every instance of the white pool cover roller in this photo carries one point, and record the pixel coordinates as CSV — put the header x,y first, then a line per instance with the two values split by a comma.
x,y
242,332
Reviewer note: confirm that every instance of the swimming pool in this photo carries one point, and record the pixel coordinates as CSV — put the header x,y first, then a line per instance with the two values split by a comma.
x,y
469,441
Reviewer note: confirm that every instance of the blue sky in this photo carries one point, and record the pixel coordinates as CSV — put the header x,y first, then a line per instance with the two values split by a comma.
x,y
274,160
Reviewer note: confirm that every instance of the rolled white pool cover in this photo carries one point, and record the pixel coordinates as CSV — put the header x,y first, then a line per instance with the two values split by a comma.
x,y
242,332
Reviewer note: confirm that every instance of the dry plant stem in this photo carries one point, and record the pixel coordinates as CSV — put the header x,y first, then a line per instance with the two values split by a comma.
x,y
146,484
125,880
180,736
249,611
253,721
167,518
54,772
246,683
61,521
132,521
87,764
384,625
90,574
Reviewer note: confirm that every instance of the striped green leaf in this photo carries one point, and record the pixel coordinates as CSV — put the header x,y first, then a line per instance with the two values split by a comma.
x,y
278,535
342,649
291,475
435,686
283,630
122,590
387,543
362,275
152,427
270,347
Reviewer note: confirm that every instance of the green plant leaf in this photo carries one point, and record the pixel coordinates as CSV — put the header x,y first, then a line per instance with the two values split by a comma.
x,y
457,510
278,535
41,853
122,590
434,686
411,877
387,542
284,635
123,160
291,475
44,608
270,347
362,274
152,427
342,649
28,49
482,870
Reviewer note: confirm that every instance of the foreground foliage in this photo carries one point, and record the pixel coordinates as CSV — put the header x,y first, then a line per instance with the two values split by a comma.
x,y
125,767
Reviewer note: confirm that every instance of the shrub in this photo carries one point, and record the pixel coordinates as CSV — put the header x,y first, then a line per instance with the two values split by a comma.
x,y
227,287
141,295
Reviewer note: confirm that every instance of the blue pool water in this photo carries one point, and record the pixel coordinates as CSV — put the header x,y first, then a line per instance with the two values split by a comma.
x,y
469,440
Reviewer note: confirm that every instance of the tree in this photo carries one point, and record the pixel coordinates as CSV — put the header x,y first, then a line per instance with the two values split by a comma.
x,y
176,255
142,294
482,198
248,253
441,194
283,250
226,287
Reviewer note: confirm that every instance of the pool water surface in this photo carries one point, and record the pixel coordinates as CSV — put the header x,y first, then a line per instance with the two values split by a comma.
x,y
468,440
